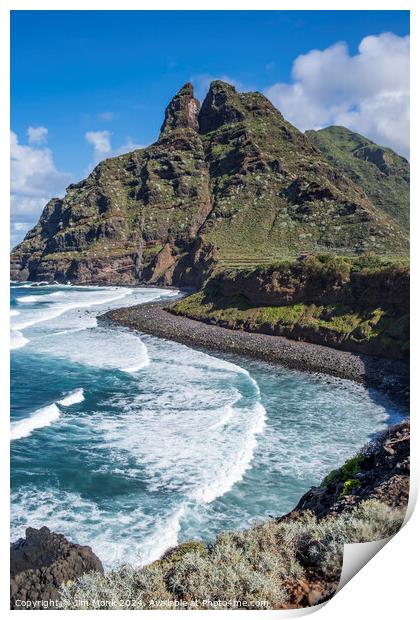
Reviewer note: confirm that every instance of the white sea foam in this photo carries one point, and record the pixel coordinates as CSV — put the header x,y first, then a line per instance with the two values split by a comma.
x,y
40,418
58,303
194,427
137,367
120,537
163,537
98,347
34,316
235,470
226,416
17,339
73,398
14,312
31,299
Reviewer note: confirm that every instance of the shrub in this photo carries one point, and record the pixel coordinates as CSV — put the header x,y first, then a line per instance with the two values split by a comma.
x,y
252,565
349,486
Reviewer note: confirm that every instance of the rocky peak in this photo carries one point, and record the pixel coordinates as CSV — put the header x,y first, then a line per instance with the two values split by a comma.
x,y
221,106
182,111
258,105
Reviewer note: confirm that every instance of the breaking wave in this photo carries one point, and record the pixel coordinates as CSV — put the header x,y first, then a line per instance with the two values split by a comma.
x,y
44,416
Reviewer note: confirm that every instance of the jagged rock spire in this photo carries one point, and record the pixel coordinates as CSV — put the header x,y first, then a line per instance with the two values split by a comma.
x,y
222,105
182,110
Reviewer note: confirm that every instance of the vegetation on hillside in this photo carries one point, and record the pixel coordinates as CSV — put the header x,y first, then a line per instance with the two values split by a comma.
x,y
234,177
357,304
383,174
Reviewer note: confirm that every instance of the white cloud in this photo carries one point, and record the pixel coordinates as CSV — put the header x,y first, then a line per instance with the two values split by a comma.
x,y
367,92
37,135
34,180
100,140
102,147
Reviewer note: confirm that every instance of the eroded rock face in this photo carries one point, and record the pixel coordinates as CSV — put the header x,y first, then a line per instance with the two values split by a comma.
x,y
381,471
39,565
182,111
303,282
234,175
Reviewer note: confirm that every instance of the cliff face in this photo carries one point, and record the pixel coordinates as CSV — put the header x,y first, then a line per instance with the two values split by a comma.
x,y
359,305
232,182
381,471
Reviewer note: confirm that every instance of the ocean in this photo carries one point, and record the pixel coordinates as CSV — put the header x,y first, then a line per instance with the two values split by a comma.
x,y
131,444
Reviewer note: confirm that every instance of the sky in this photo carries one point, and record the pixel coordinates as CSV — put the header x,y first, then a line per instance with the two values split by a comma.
x,y
86,85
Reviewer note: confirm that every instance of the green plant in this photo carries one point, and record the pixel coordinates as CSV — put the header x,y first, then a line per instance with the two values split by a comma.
x,y
349,486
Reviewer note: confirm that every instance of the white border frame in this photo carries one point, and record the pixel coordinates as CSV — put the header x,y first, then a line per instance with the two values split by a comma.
x,y
386,585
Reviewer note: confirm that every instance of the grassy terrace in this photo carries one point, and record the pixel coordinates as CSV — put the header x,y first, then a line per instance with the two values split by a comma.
x,y
233,260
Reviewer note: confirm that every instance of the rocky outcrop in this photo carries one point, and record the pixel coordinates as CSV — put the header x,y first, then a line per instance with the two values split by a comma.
x,y
183,111
40,563
234,177
380,471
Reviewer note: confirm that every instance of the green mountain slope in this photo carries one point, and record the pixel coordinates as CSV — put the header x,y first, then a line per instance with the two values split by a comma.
x,y
230,183
380,172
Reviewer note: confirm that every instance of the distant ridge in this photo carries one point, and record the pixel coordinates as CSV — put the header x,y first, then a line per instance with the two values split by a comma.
x,y
383,174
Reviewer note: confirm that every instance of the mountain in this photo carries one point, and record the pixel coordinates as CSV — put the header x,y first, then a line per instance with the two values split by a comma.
x,y
383,175
228,183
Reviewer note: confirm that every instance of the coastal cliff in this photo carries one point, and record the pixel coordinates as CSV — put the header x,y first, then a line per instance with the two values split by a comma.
x,y
359,305
228,183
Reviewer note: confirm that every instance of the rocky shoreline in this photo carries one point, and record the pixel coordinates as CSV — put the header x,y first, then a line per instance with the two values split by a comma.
x,y
153,318
368,494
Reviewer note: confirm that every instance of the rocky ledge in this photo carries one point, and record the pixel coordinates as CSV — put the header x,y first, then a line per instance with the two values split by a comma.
x,y
380,471
41,563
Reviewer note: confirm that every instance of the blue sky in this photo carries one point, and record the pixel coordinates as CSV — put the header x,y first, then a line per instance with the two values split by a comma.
x,y
98,81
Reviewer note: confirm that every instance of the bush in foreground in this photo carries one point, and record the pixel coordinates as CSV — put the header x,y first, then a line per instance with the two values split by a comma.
x,y
252,565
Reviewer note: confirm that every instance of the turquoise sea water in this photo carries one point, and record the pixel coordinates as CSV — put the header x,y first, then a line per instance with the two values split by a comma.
x,y
130,443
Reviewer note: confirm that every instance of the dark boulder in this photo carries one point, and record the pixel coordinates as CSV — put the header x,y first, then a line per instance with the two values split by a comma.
x,y
40,563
